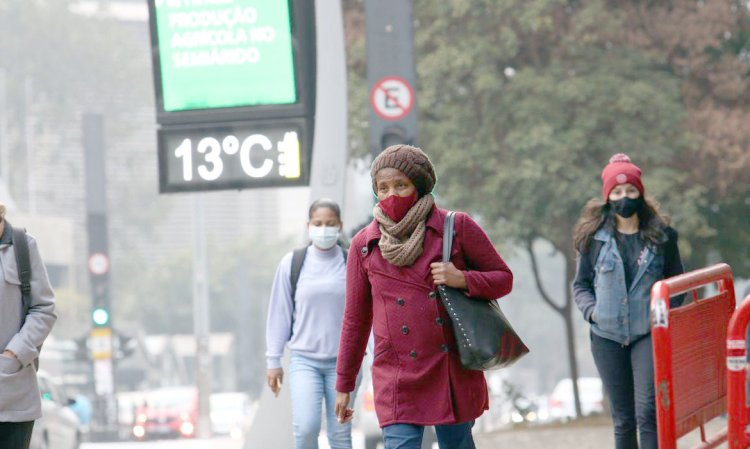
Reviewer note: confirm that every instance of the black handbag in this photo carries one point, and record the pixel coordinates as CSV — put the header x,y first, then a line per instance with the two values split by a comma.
x,y
484,336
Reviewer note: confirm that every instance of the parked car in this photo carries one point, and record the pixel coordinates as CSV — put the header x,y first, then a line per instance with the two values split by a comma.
x,y
59,427
231,414
167,412
561,405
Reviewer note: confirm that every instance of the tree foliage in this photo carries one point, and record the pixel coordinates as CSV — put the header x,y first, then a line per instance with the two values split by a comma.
x,y
524,102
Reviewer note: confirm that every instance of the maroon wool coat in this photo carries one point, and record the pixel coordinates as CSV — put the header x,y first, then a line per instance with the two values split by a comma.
x,y
416,374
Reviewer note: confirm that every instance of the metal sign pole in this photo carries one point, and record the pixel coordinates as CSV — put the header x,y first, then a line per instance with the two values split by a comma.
x,y
201,319
105,425
391,75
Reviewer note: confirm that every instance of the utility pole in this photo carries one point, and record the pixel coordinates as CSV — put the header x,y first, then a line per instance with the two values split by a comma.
x,y
201,318
105,425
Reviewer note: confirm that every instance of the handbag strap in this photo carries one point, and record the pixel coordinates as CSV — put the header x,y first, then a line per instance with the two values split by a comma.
x,y
448,232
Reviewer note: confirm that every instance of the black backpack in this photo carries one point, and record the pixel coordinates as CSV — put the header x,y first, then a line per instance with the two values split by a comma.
x,y
298,259
23,264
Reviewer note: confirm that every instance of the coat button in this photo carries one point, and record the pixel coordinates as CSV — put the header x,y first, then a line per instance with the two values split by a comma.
x,y
439,321
432,295
445,347
400,301
404,329
363,251
413,354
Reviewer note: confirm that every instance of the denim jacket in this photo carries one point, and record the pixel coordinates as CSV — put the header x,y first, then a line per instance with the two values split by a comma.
x,y
622,314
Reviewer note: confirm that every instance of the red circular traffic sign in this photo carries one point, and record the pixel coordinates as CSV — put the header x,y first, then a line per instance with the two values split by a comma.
x,y
392,98
98,263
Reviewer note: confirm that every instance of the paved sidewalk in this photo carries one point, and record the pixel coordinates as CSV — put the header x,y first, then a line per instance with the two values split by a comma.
x,y
584,434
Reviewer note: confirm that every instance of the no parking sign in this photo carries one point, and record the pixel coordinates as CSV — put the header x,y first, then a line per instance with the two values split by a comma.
x,y
98,264
392,98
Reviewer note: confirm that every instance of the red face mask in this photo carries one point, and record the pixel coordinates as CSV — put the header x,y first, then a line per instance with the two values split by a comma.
x,y
396,206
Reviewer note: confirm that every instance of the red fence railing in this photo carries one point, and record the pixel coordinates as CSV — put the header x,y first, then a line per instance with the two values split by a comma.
x,y
690,354
737,409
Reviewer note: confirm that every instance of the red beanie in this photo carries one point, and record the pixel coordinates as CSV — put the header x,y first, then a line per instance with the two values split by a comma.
x,y
620,171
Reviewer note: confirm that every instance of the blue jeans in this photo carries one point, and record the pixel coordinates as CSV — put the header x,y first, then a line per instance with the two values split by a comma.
x,y
627,373
409,436
311,382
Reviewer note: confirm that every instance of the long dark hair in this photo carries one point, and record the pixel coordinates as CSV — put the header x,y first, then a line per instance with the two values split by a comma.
x,y
598,214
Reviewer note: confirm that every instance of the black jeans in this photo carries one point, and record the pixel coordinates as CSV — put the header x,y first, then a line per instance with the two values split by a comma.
x,y
15,435
627,373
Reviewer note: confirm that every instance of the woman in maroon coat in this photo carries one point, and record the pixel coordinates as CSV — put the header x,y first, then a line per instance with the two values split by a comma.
x,y
393,267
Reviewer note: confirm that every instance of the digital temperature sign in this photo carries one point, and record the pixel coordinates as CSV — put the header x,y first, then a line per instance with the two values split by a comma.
x,y
231,155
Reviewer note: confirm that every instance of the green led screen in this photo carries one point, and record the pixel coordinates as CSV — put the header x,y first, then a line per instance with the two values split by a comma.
x,y
225,53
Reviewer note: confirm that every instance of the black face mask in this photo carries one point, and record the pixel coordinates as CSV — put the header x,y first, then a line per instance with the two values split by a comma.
x,y
626,207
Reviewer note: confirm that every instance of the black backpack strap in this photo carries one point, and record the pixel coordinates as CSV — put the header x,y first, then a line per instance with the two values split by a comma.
x,y
23,265
23,262
298,259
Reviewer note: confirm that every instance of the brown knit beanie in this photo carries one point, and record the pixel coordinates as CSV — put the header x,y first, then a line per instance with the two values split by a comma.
x,y
411,161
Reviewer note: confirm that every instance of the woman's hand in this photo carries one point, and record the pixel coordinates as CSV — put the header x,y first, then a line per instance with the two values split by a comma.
x,y
344,414
448,274
275,377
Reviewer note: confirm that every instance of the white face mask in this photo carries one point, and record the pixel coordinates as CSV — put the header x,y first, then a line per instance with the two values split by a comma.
x,y
324,237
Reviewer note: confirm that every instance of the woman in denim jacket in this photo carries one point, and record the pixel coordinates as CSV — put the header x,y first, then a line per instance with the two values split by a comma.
x,y
625,245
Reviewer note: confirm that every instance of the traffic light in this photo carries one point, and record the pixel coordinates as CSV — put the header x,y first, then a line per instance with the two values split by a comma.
x,y
100,303
100,316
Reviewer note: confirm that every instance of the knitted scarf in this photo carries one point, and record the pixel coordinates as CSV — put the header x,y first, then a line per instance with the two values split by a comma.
x,y
402,243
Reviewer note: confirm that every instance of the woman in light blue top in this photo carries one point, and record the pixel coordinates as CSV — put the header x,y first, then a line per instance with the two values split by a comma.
x,y
307,319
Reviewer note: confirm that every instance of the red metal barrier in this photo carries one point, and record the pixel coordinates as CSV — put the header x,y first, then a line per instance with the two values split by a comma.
x,y
737,409
689,354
